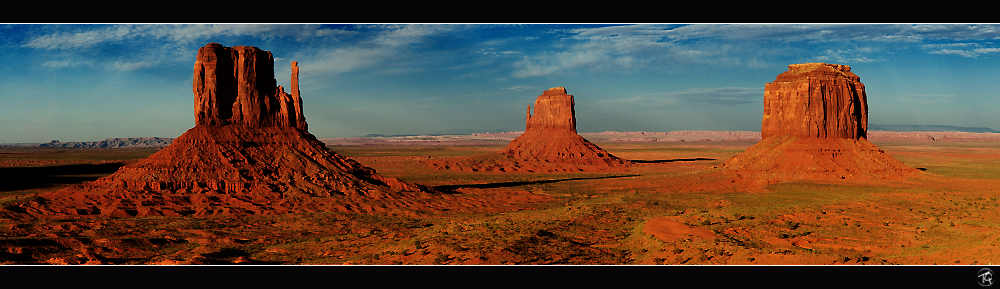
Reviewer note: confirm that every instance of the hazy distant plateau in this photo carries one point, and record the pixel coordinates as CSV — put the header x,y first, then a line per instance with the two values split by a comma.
x,y
875,132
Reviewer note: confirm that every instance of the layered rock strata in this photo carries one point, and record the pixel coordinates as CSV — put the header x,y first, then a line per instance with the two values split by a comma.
x,y
249,153
236,85
550,143
814,128
815,100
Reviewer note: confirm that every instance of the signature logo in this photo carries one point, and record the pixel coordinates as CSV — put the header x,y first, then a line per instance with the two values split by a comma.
x,y
985,277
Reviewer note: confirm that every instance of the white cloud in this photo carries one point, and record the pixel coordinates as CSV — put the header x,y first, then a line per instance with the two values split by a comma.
x,y
969,50
848,56
101,34
925,98
493,51
155,44
390,44
128,66
550,64
521,87
73,40
963,53
60,63
742,45
726,96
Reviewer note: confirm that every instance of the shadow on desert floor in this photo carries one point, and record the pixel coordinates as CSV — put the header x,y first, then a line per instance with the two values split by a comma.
x,y
26,178
452,188
669,161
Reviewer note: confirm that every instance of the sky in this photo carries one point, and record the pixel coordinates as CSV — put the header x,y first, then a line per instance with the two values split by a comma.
x,y
90,82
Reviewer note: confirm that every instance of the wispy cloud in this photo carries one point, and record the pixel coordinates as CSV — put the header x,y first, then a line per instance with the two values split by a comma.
x,y
391,44
494,51
63,63
856,55
154,44
970,50
633,47
719,96
548,64
725,96
521,87
925,98
91,35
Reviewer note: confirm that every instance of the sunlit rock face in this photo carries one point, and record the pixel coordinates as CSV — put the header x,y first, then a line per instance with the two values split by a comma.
x,y
814,128
236,85
816,100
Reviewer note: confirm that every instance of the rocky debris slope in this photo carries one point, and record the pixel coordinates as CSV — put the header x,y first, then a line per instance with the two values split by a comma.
x,y
814,128
549,144
248,154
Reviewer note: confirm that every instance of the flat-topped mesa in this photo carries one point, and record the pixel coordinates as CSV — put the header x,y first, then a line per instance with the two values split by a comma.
x,y
235,85
554,111
816,100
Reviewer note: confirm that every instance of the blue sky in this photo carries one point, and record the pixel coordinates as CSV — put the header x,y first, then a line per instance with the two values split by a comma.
x,y
92,82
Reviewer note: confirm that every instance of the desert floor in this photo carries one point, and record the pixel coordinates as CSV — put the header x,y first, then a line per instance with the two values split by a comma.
x,y
659,212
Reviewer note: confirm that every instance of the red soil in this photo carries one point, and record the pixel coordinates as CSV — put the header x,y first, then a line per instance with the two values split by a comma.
x,y
786,158
667,229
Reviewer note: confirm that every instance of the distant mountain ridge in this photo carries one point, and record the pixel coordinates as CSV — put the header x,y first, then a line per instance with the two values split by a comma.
x,y
112,143
141,142
941,128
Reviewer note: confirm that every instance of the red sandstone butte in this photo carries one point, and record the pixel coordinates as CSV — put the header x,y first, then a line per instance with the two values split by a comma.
x,y
815,100
236,85
550,143
815,128
249,153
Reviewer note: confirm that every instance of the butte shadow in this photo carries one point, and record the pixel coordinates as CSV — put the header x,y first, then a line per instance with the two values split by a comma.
x,y
249,153
814,128
550,144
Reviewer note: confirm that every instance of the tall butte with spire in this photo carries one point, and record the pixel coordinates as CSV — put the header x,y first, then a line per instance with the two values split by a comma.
x,y
550,143
815,127
249,153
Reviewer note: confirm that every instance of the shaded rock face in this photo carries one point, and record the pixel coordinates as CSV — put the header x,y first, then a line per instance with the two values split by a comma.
x,y
816,100
815,128
549,144
248,154
236,85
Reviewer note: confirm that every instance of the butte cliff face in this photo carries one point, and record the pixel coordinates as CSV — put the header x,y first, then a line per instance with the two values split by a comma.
x,y
815,100
815,128
555,113
249,153
236,85
549,144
